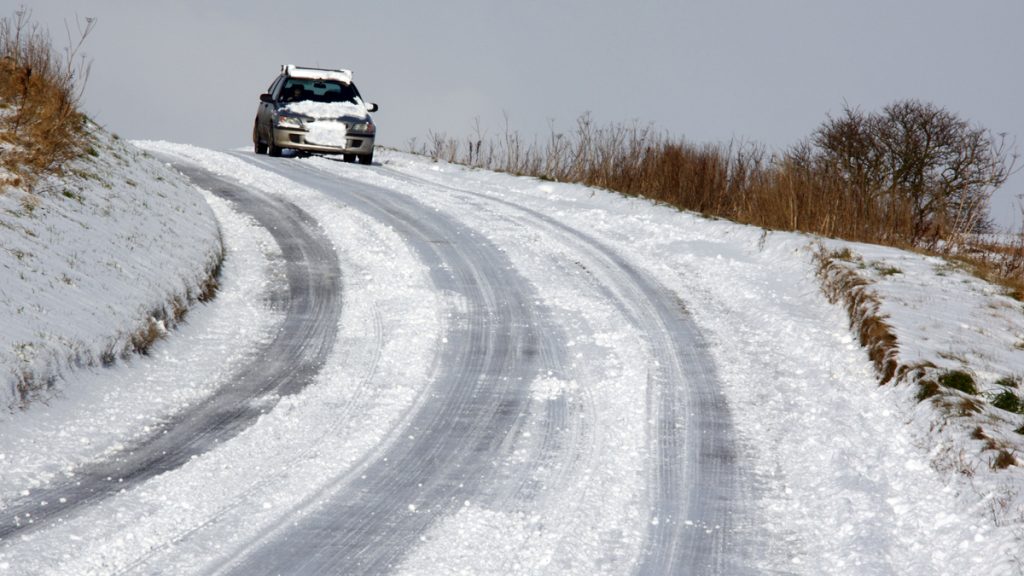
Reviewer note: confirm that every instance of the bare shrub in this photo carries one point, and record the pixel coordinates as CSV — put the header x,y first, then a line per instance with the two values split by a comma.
x,y
40,89
930,171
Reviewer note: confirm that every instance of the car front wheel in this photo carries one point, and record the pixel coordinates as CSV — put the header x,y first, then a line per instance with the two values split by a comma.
x,y
258,145
273,149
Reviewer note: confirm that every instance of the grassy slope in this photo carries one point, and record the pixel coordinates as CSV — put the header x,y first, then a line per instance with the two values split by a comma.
x,y
96,263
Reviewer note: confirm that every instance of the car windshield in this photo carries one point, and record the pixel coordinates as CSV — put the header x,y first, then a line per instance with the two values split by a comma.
x,y
300,89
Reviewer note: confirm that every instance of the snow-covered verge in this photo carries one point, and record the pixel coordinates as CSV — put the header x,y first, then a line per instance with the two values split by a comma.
x,y
953,346
96,263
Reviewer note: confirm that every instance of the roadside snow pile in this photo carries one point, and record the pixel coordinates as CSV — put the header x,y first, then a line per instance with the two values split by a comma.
x,y
96,264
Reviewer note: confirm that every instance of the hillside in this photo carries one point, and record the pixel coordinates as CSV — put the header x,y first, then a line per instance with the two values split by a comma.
x,y
96,264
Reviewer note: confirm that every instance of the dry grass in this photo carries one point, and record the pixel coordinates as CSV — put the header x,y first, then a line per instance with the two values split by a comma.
x,y
739,181
40,87
1004,459
841,284
999,262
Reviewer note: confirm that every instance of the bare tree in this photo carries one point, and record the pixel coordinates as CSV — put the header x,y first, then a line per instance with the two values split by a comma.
x,y
923,164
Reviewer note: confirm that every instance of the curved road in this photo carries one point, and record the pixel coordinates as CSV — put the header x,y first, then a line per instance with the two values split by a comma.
x,y
478,434
367,524
498,341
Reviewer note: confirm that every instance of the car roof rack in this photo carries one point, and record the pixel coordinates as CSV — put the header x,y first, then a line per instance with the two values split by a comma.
x,y
294,71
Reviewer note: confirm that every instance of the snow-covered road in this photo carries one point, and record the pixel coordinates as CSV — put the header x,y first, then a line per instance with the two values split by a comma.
x,y
467,373
479,438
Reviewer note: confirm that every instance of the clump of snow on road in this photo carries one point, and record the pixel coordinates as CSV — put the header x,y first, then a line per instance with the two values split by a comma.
x,y
550,388
466,544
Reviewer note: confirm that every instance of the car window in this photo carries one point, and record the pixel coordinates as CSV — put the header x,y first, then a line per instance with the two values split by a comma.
x,y
298,89
335,92
295,91
274,85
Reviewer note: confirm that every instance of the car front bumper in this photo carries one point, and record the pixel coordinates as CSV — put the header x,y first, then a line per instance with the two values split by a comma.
x,y
355,143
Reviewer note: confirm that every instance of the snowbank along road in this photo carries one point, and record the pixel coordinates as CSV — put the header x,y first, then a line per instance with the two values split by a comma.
x,y
462,377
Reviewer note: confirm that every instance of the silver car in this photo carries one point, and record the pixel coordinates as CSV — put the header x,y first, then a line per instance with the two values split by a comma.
x,y
315,110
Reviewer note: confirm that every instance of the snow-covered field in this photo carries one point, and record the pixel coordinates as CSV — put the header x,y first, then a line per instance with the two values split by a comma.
x,y
848,477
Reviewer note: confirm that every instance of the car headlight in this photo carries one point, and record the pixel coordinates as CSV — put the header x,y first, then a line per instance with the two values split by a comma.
x,y
289,122
362,127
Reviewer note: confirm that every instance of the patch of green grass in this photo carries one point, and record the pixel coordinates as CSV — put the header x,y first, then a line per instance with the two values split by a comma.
x,y
1007,400
959,380
927,389
1009,382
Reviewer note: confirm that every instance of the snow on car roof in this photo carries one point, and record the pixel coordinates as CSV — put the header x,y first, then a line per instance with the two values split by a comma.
x,y
317,73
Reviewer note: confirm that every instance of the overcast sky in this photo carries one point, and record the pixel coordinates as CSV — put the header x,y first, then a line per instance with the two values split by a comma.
x,y
710,71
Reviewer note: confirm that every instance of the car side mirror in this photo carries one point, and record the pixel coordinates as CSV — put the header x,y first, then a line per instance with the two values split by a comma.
x,y
266,98
372,107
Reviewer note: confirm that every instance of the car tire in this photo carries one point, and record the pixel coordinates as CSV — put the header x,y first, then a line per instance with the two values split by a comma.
x,y
365,158
350,158
273,149
258,145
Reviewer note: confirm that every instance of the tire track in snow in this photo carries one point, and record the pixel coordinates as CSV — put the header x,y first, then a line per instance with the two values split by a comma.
x,y
311,301
696,485
498,341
